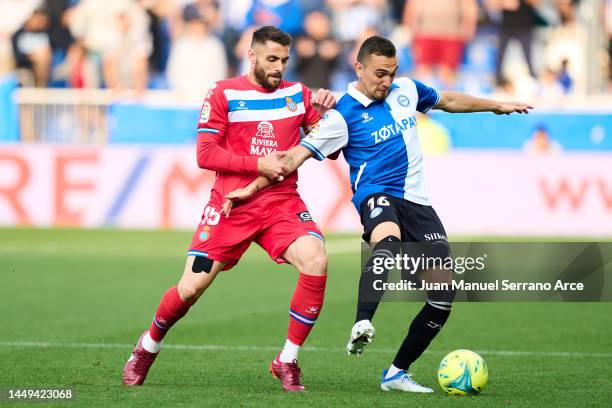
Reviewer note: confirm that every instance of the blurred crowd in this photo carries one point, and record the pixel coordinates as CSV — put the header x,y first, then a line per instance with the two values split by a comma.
x,y
526,47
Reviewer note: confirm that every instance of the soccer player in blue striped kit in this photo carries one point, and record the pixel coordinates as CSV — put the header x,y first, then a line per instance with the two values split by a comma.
x,y
374,124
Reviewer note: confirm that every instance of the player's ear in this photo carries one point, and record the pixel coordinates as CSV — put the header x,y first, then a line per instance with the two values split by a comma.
x,y
252,56
358,69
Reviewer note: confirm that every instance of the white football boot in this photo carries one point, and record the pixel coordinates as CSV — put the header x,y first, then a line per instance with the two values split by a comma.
x,y
402,382
362,334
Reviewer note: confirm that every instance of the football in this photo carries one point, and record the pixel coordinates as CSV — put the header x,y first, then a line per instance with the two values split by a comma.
x,y
463,372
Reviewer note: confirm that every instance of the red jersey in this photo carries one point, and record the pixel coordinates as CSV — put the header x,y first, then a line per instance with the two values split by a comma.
x,y
240,122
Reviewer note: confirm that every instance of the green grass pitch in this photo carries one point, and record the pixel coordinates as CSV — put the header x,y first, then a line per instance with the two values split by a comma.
x,y
89,294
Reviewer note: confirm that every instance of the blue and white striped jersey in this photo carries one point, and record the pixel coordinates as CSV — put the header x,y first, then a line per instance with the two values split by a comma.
x,y
378,139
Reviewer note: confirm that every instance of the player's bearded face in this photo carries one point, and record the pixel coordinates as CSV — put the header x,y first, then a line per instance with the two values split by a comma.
x,y
269,62
376,76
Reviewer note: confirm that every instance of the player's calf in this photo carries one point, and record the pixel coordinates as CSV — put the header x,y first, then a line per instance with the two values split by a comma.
x,y
307,254
369,298
175,303
424,328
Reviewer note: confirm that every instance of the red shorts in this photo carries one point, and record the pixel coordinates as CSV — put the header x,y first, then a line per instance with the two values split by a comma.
x,y
272,223
438,51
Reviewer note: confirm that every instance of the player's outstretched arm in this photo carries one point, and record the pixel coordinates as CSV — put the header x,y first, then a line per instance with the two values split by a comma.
x,y
457,102
292,159
213,157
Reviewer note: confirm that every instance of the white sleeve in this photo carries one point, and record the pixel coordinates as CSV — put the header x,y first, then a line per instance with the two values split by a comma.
x,y
329,135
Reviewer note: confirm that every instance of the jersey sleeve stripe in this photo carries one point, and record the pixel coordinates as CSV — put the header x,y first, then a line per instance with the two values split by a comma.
x,y
207,130
314,150
435,103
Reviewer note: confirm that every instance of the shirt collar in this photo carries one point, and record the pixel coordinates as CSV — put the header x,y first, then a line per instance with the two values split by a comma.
x,y
361,98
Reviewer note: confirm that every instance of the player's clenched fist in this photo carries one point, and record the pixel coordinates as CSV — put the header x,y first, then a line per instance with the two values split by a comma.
x,y
272,166
323,100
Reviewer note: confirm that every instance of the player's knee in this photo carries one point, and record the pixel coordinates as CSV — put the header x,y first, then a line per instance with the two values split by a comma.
x,y
190,291
315,264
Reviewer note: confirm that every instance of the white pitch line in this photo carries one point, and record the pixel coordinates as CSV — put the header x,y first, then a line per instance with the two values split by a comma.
x,y
220,347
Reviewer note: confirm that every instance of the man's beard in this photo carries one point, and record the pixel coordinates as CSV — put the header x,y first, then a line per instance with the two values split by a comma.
x,y
262,78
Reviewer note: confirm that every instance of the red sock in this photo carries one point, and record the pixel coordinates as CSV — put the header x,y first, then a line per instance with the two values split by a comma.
x,y
305,306
171,308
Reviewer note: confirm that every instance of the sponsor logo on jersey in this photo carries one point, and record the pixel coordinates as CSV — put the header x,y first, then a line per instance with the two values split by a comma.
x,y
366,117
435,236
265,130
305,216
292,106
393,129
242,106
205,114
263,142
403,100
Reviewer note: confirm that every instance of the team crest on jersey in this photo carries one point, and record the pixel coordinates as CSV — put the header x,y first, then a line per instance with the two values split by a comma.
x,y
205,114
265,130
403,100
376,212
366,117
292,106
205,234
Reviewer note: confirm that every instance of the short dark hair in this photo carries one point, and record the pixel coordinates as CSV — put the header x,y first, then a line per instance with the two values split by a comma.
x,y
270,33
376,45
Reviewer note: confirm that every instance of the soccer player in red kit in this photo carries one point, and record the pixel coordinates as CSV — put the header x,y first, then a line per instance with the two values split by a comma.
x,y
245,125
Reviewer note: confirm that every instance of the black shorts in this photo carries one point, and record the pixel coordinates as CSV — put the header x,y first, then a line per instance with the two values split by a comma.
x,y
422,232
417,223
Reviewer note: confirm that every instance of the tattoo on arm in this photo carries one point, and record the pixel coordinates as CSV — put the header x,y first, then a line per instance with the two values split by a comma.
x,y
289,161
